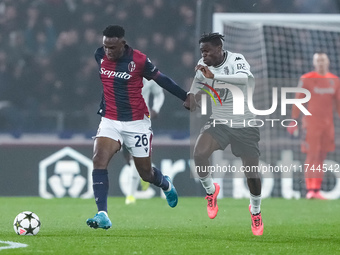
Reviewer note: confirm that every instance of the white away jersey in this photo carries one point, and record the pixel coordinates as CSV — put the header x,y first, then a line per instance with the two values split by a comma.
x,y
233,63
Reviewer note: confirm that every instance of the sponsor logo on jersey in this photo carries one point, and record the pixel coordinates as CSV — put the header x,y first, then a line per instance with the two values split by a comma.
x,y
109,73
238,58
132,66
241,66
324,90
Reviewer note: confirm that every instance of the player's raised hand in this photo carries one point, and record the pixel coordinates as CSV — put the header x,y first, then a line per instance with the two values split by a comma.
x,y
205,71
190,102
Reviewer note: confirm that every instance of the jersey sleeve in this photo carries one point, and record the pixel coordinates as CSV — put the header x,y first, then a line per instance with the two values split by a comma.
x,y
150,70
199,75
303,81
99,54
337,91
196,86
198,80
240,64
302,84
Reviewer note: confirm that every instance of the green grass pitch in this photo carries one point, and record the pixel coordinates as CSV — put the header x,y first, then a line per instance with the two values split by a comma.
x,y
152,227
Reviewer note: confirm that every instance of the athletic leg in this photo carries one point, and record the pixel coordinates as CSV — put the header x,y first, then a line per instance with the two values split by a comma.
x,y
204,147
316,145
254,184
319,175
104,149
153,175
313,176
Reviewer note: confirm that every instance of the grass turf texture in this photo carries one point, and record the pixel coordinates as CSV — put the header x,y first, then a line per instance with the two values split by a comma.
x,y
152,227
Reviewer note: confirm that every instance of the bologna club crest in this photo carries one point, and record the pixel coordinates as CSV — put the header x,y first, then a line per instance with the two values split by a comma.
x,y
132,66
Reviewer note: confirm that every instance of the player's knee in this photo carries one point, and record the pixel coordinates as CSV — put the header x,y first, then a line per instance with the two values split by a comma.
x,y
99,161
200,155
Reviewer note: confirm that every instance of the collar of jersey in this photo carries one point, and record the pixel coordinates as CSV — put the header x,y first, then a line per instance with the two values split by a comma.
x,y
224,60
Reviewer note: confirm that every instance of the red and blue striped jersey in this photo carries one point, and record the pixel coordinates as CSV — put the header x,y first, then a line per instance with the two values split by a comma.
x,y
122,82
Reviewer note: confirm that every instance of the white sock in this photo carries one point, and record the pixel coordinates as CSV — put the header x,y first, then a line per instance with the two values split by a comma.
x,y
255,202
208,184
103,212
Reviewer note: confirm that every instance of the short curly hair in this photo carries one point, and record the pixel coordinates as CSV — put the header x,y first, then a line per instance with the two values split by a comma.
x,y
114,31
214,38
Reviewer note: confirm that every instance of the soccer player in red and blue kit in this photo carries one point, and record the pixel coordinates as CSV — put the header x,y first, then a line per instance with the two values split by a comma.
x,y
125,118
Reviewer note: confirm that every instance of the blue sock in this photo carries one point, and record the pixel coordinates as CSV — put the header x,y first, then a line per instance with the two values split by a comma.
x,y
100,188
160,180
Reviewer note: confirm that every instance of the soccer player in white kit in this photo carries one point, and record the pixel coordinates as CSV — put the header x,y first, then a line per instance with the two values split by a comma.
x,y
149,88
215,68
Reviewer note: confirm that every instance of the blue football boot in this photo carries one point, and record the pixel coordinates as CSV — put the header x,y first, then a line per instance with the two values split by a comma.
x,y
100,220
171,196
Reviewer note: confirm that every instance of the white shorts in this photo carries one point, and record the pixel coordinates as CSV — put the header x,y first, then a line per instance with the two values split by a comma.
x,y
136,135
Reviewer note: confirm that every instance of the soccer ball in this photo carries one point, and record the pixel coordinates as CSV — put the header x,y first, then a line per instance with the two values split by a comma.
x,y
26,223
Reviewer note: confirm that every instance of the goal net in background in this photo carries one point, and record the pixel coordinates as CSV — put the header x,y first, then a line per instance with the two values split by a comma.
x,y
279,49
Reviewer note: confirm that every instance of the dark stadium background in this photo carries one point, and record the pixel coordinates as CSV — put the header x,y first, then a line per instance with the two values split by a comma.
x,y
48,76
49,85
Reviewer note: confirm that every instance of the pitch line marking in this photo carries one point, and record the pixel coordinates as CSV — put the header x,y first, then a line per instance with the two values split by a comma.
x,y
12,245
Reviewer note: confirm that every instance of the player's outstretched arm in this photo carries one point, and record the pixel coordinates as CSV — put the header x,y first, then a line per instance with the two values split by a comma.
x,y
168,84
